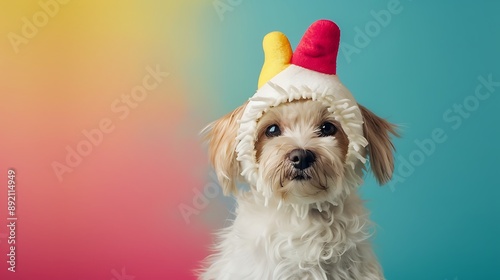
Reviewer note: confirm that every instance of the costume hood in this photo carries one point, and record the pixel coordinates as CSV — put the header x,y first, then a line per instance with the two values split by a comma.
x,y
307,73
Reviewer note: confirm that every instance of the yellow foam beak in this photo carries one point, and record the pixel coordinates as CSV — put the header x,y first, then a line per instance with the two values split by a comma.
x,y
277,56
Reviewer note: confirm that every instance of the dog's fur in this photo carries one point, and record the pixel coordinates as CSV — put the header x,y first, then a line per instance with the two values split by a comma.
x,y
276,239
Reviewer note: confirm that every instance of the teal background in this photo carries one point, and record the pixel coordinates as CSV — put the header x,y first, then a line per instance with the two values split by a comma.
x,y
442,222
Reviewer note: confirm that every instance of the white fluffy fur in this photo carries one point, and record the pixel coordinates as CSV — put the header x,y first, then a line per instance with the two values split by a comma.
x,y
267,243
286,229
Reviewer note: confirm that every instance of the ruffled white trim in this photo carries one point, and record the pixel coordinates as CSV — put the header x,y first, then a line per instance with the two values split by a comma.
x,y
296,83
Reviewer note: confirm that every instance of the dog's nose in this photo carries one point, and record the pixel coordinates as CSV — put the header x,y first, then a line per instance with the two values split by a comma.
x,y
301,159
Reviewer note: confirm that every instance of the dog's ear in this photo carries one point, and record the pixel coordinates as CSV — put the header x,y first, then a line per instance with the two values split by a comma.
x,y
380,148
221,138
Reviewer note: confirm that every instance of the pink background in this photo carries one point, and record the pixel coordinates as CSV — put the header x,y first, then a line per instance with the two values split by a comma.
x,y
116,214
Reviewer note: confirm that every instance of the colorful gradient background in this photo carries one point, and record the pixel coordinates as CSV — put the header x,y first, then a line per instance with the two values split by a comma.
x,y
117,214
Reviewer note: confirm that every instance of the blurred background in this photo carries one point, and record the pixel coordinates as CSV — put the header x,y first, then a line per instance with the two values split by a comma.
x,y
101,103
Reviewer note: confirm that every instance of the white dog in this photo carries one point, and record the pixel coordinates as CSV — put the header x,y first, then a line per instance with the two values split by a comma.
x,y
300,143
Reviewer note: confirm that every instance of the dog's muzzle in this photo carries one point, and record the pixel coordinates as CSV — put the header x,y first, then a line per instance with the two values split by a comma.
x,y
301,159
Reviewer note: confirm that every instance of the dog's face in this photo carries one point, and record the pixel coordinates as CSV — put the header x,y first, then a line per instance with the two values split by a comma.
x,y
300,150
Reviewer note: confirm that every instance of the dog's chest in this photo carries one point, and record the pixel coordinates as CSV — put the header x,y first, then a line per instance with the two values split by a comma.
x,y
277,247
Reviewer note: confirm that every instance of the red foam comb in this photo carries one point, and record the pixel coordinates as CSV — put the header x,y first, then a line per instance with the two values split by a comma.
x,y
318,48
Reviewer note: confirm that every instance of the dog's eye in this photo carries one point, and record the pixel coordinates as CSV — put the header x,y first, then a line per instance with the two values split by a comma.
x,y
273,130
327,129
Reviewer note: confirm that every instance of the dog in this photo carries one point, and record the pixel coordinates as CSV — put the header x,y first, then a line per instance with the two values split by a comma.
x,y
301,143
